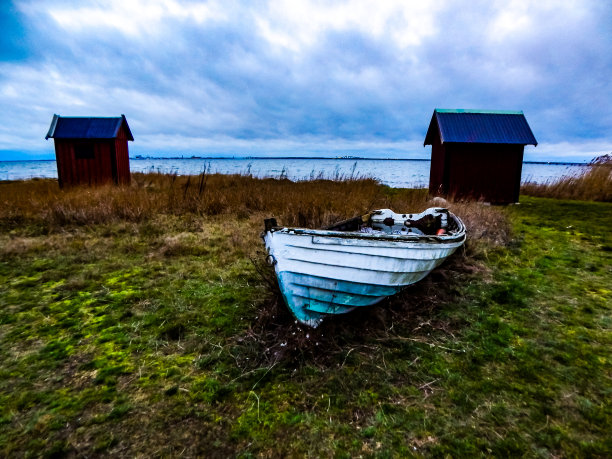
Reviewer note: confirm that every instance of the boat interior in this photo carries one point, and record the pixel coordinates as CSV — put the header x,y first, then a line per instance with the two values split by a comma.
x,y
434,221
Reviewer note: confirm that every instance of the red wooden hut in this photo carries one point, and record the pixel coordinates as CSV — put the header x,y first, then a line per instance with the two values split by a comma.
x,y
91,151
477,154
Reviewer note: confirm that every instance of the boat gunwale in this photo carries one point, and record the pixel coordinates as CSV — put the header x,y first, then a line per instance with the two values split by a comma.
x,y
444,239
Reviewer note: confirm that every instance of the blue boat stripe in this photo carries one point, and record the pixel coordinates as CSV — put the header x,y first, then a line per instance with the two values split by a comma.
x,y
341,292
333,279
322,310
352,300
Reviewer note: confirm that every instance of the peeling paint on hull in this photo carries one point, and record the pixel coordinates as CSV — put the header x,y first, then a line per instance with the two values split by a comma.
x,y
322,272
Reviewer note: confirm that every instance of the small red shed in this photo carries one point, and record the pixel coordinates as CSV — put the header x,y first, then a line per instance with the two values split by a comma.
x,y
477,154
91,151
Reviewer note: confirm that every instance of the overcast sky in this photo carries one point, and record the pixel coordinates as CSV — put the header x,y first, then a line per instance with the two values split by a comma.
x,y
305,77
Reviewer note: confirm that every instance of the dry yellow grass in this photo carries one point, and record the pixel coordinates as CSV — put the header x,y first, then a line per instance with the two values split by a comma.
x,y
312,203
592,184
42,204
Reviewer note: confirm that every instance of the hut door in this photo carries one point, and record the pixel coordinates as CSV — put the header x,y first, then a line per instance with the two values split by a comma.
x,y
113,161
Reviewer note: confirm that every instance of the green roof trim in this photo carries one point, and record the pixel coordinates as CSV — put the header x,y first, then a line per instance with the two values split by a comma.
x,y
470,110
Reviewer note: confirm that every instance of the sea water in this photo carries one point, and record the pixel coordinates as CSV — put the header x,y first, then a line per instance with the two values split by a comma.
x,y
397,173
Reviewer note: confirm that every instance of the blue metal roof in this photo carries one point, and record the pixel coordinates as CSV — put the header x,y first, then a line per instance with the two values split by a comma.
x,y
479,126
87,128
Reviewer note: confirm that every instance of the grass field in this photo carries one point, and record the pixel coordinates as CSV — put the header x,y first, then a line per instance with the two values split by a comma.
x,y
141,321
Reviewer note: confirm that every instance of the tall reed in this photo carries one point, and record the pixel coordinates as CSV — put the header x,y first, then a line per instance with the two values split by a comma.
x,y
316,202
594,183
310,203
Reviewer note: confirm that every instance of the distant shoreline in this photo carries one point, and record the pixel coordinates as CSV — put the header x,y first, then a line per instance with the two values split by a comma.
x,y
351,158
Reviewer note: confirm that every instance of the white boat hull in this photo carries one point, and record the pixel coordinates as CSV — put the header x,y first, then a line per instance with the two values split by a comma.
x,y
330,272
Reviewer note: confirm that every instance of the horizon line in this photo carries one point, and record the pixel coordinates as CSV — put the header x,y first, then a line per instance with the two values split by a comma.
x,y
343,158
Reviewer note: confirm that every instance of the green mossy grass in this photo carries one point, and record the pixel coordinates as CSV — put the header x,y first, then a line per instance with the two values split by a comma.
x,y
162,337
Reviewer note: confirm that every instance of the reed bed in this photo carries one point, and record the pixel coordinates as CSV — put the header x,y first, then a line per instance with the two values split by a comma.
x,y
592,184
306,203
300,203
314,203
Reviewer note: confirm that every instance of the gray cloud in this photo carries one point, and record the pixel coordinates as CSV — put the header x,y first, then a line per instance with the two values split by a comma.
x,y
236,76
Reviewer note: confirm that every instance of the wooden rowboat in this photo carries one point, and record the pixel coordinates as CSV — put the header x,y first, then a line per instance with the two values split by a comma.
x,y
358,262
